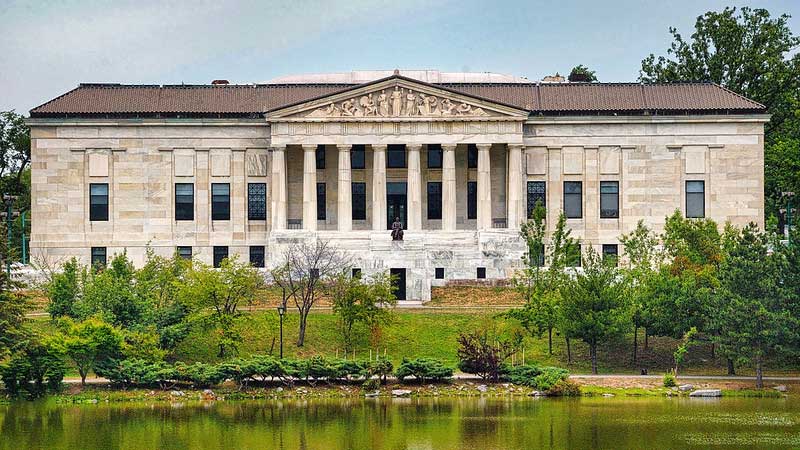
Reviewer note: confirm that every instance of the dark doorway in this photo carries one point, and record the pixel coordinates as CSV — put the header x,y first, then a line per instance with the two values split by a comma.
x,y
396,205
399,283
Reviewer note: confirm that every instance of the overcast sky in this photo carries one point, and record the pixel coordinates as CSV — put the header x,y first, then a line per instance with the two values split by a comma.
x,y
48,47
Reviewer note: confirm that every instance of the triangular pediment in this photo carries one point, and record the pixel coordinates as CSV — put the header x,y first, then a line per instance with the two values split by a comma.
x,y
397,98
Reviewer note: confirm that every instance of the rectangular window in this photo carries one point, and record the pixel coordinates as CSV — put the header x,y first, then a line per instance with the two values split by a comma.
x,y
472,199
573,199
322,201
609,199
98,256
220,201
610,253
257,256
481,273
472,156
439,273
184,201
357,157
434,156
356,273
220,253
184,252
537,192
359,192
396,156
574,255
320,155
434,200
695,199
257,201
98,202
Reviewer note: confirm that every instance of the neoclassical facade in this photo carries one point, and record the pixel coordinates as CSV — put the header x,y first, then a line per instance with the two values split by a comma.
x,y
216,170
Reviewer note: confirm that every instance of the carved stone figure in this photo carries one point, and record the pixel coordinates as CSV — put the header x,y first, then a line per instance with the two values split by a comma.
x,y
397,101
447,107
411,102
368,104
468,110
383,104
397,230
421,106
430,105
348,108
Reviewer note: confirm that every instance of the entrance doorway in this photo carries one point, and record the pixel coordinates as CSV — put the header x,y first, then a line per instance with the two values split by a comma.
x,y
399,283
396,203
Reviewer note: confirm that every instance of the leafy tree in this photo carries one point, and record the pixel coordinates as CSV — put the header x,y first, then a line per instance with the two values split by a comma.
x,y
594,308
214,296
13,306
484,352
755,316
64,290
35,368
89,344
361,300
581,73
111,294
158,283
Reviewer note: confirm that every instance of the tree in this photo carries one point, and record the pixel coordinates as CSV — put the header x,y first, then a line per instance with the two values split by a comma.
x,y
111,294
753,54
565,251
755,315
89,344
64,290
361,300
214,296
594,308
157,285
306,269
581,74
484,352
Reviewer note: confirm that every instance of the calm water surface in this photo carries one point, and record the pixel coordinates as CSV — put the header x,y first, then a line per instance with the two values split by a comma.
x,y
474,424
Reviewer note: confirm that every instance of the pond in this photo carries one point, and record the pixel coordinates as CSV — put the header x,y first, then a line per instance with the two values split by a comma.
x,y
424,423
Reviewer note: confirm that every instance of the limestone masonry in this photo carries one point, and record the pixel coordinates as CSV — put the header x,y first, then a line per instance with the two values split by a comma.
x,y
214,171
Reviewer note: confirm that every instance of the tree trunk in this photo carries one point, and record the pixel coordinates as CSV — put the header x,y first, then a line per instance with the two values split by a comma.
x,y
83,377
569,353
645,339
759,374
302,334
713,350
593,354
550,341
731,369
635,342
221,350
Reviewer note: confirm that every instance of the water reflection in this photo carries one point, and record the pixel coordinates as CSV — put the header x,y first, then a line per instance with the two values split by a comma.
x,y
436,423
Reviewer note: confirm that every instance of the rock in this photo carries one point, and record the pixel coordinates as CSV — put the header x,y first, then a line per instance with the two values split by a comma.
x,y
93,401
780,388
372,394
685,387
706,393
280,389
608,394
176,393
482,388
535,394
208,392
400,392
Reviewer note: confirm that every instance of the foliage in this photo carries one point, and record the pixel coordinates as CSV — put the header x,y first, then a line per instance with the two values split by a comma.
x,y
64,290
484,353
139,372
380,368
423,369
581,73
669,380
689,340
594,307
89,343
361,300
158,284
35,369
541,378
13,306
215,295
564,388
110,294
199,374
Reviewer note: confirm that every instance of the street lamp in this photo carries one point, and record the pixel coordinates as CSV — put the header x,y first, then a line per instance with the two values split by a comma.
x,y
9,215
281,313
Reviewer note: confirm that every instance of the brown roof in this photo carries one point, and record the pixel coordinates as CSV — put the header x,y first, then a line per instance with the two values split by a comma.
x,y
253,100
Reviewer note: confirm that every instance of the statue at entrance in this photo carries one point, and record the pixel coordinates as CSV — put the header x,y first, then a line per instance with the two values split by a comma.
x,y
397,230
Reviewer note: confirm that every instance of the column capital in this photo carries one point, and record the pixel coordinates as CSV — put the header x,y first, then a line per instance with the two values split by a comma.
x,y
448,146
414,147
484,147
277,147
379,147
516,146
309,147
344,148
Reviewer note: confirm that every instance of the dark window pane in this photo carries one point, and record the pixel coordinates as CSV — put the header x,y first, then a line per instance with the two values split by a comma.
x,y
357,157
220,201
98,201
257,201
695,199
184,201
435,156
481,273
396,156
322,201
359,192
434,200
609,199
257,256
185,252
472,156
320,155
472,200
537,192
574,255
611,253
98,256
440,273
356,273
573,199
220,253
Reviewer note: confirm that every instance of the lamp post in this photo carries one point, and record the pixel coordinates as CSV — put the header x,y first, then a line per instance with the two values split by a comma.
x,y
8,201
281,313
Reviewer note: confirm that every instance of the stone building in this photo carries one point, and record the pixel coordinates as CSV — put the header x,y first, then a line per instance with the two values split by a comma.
x,y
215,170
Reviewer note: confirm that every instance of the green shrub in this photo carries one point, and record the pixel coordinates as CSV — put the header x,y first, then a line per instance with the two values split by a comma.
x,y
549,377
139,372
669,380
380,367
371,384
36,369
423,369
521,375
564,388
199,374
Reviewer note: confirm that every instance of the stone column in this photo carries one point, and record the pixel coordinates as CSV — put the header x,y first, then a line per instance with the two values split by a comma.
x,y
344,194
514,196
484,188
310,187
414,188
279,203
379,187
449,187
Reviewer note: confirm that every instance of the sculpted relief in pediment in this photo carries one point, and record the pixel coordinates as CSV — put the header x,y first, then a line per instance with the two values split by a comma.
x,y
398,102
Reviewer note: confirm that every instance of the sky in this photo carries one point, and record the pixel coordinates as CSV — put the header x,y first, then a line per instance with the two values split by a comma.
x,y
49,47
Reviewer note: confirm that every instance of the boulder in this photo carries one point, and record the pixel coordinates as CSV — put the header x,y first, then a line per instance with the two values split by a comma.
x,y
372,394
176,393
685,387
400,392
608,394
536,394
482,388
780,388
706,393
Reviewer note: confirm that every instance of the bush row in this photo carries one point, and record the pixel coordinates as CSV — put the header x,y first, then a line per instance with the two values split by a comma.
x,y
541,378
